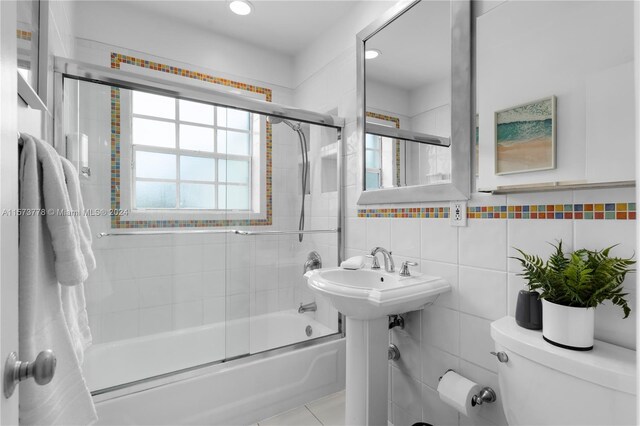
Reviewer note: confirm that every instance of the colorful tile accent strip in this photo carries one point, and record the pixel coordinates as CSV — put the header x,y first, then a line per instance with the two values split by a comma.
x,y
120,221
24,35
395,120
597,211
409,212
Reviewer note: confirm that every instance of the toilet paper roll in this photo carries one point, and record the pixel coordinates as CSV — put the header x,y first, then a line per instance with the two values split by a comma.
x,y
457,391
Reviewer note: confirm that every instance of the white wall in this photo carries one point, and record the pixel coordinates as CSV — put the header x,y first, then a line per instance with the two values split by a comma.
x,y
388,99
128,27
454,333
527,52
337,40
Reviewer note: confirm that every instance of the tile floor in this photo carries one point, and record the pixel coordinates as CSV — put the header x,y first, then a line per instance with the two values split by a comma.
x,y
327,411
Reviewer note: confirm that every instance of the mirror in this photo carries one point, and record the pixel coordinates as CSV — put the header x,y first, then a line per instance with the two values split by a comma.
x,y
27,34
413,83
555,101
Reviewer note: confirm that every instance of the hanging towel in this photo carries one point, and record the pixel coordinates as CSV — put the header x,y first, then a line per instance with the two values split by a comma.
x,y
50,255
74,303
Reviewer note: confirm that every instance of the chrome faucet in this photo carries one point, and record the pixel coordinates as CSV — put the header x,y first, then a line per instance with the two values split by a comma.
x,y
314,261
388,260
309,307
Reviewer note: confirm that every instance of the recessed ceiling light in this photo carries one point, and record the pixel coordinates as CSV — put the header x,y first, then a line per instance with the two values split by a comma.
x,y
371,53
240,7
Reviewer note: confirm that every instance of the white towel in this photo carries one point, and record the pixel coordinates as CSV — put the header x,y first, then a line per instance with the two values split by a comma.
x,y
355,262
74,303
50,255
75,197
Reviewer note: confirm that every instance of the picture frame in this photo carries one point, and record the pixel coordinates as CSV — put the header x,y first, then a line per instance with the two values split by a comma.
x,y
525,137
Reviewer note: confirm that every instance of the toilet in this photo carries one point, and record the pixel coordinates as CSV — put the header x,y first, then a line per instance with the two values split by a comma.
x,y
542,384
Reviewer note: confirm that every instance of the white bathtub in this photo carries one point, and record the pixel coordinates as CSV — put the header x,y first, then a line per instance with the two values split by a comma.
x,y
240,391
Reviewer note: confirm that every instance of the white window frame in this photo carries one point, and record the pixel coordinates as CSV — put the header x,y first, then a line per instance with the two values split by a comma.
x,y
256,158
378,151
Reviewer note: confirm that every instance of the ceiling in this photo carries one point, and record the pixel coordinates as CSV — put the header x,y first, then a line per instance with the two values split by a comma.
x,y
416,47
284,26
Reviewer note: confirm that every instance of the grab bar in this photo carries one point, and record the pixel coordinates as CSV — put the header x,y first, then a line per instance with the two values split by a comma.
x,y
217,231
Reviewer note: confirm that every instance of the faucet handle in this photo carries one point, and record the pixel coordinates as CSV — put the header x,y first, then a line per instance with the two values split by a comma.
x,y
404,269
374,261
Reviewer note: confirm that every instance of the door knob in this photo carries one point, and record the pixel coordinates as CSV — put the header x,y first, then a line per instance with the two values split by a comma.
x,y
42,370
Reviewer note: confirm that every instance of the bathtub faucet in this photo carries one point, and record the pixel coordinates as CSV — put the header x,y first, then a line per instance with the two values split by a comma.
x,y
309,307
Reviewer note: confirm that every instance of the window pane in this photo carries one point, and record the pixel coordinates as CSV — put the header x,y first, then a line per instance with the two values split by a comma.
x,y
196,138
154,105
230,142
234,171
373,141
233,118
196,112
373,180
373,159
237,119
154,133
197,168
155,165
222,116
197,196
233,197
155,195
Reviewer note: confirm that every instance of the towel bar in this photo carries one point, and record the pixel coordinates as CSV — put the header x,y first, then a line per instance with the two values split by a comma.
x,y
217,231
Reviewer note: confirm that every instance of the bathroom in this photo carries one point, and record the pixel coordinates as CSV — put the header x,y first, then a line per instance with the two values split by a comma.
x,y
274,153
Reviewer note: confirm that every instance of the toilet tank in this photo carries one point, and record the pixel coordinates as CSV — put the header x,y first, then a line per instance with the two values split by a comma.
x,y
542,384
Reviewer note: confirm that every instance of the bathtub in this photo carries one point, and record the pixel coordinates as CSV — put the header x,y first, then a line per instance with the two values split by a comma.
x,y
239,391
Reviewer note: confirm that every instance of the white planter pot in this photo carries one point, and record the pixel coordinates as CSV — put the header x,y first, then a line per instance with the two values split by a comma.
x,y
568,327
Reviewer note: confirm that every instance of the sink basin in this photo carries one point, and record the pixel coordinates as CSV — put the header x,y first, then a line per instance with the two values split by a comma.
x,y
366,294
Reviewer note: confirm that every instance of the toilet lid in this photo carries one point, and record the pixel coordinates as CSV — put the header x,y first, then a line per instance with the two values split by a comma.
x,y
607,365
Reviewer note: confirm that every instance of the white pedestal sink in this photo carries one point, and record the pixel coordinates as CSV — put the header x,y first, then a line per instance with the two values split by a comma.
x,y
366,297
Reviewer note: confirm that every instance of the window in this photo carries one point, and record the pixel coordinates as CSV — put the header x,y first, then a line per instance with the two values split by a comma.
x,y
373,161
191,156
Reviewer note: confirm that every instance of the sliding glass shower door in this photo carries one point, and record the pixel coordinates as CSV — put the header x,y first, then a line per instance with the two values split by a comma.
x,y
195,211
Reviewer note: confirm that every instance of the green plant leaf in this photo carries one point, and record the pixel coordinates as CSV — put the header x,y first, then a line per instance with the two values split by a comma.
x,y
583,278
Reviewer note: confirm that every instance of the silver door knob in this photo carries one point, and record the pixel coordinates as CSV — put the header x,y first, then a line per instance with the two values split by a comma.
x,y
502,356
42,370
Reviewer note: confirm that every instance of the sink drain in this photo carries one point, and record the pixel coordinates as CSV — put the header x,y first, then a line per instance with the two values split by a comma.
x,y
309,331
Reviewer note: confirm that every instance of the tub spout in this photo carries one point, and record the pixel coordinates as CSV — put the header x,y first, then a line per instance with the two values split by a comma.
x,y
309,307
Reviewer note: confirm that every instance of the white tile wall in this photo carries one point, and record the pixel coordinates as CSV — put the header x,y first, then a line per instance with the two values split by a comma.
x,y
454,331
151,284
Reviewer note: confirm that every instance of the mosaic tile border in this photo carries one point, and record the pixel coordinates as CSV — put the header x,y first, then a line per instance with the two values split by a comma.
x,y
584,211
395,120
408,212
120,222
24,35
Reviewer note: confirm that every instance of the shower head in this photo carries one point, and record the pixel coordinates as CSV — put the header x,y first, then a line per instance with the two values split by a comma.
x,y
297,127
277,120
274,120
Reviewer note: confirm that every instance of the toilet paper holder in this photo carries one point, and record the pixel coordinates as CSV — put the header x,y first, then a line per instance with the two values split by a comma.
x,y
486,394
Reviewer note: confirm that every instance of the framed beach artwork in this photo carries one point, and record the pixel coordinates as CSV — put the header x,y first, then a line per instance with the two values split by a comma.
x,y
526,137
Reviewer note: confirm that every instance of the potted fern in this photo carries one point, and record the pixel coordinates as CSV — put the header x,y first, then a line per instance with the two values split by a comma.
x,y
571,287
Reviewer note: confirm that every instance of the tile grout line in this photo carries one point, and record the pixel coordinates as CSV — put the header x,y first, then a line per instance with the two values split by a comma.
x,y
313,414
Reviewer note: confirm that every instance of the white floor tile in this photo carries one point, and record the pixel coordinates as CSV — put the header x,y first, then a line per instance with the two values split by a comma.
x,y
329,410
300,416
